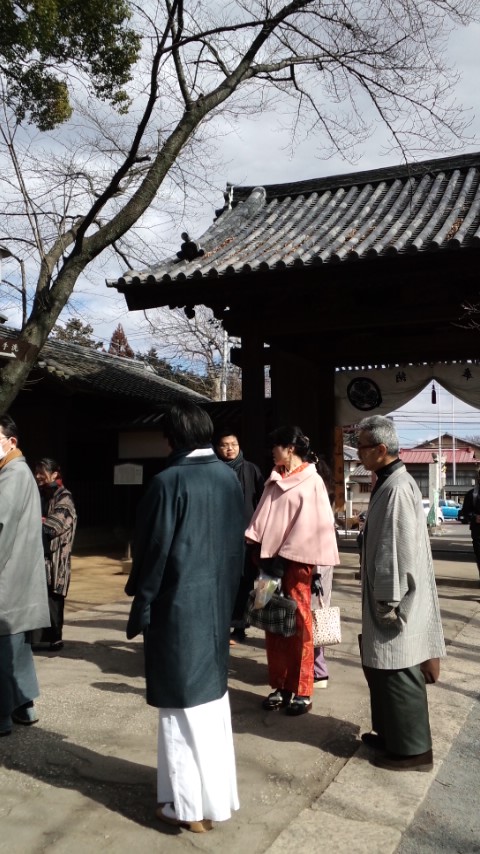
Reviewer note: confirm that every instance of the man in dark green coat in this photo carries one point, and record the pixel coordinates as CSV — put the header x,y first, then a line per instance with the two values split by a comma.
x,y
187,562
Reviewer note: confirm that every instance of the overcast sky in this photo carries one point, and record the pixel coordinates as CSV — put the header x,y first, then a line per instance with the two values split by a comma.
x,y
420,419
257,153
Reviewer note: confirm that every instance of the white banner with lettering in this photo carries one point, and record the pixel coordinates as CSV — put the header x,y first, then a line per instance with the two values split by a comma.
x,y
379,391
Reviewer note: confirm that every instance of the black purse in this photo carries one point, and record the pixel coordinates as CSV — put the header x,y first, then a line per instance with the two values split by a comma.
x,y
277,616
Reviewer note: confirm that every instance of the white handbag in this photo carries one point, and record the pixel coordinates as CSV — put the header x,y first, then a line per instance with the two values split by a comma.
x,y
326,628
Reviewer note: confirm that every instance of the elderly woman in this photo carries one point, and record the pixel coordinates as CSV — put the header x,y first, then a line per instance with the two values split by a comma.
x,y
59,521
294,521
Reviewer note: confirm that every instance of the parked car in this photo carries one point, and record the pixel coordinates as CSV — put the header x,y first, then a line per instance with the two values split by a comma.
x,y
426,507
449,508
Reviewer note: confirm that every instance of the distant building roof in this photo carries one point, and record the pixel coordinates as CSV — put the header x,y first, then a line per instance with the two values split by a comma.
x,y
423,457
360,471
447,440
83,369
432,206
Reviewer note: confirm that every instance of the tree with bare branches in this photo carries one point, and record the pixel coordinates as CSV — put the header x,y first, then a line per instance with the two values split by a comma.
x,y
200,345
68,194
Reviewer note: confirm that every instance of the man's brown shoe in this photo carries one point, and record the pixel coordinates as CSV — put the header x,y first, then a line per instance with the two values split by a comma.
x,y
392,762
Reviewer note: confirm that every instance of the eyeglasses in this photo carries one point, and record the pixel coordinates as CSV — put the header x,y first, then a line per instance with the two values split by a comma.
x,y
365,447
227,447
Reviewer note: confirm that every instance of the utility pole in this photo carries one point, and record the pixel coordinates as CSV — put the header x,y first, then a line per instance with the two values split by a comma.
x,y
224,374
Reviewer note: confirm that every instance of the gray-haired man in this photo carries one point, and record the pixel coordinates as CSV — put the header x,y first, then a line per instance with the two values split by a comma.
x,y
402,636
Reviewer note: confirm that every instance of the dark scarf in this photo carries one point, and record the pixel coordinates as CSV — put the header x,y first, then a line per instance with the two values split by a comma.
x,y
235,464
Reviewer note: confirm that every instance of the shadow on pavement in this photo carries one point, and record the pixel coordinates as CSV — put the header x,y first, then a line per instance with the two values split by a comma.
x,y
121,786
121,658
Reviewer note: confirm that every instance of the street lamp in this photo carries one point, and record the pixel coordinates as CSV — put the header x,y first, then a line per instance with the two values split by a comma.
x,y
4,253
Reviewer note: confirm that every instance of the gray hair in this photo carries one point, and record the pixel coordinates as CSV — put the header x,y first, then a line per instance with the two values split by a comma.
x,y
382,432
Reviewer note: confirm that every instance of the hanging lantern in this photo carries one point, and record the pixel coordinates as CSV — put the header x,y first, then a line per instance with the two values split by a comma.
x,y
434,393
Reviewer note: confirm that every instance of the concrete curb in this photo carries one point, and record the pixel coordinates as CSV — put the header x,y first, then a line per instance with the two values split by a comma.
x,y
366,809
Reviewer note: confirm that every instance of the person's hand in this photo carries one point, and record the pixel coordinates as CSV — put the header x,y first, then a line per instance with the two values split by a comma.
x,y
316,585
431,670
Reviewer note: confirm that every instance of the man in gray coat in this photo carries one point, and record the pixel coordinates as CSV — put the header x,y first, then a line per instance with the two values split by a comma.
x,y
187,562
402,636
23,586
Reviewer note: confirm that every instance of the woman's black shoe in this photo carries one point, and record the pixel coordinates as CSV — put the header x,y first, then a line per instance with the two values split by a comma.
x,y
299,706
276,700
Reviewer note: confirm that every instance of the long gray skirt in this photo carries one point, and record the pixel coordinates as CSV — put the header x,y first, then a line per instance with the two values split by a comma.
x,y
18,680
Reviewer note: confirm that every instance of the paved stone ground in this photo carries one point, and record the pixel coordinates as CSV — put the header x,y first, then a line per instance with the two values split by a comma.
x,y
83,779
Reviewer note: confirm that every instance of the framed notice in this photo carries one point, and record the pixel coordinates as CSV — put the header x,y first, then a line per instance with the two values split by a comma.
x,y
128,474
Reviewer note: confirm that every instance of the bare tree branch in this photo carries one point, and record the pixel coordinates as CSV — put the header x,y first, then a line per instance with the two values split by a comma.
x,y
73,193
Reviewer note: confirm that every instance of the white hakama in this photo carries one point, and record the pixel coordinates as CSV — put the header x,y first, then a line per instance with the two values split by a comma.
x,y
196,761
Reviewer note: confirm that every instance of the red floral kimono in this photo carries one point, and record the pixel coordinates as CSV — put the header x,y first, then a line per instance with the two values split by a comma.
x,y
294,520
290,660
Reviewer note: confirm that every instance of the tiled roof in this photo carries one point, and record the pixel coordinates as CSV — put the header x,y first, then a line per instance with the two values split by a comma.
x,y
361,471
433,206
89,371
424,457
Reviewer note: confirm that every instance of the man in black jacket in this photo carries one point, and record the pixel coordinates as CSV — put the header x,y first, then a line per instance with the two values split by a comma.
x,y
470,514
251,480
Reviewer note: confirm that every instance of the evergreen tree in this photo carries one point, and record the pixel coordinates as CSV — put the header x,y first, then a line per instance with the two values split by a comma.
x,y
76,332
40,41
119,345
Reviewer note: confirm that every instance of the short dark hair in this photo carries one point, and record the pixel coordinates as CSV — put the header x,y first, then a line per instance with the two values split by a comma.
x,y
187,426
290,434
9,427
49,465
220,434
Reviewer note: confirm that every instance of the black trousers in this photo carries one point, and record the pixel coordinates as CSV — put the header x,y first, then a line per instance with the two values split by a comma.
x,y
399,706
250,572
475,532
53,632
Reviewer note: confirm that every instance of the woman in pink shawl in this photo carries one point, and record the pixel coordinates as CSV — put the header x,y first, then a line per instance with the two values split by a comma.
x,y
294,521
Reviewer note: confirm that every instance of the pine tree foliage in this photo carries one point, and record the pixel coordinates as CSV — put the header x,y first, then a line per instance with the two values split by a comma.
x,y
76,331
41,41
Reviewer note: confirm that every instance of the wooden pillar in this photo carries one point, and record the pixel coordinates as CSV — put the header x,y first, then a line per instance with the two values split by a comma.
x,y
303,393
339,470
324,389
253,395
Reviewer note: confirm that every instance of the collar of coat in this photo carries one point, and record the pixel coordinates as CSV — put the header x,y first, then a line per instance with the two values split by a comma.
x,y
286,483
14,454
182,458
401,470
